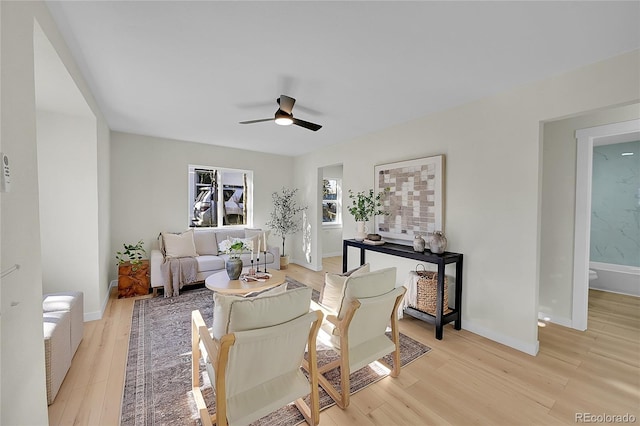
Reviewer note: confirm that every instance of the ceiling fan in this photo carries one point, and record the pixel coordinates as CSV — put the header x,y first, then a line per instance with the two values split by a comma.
x,y
284,116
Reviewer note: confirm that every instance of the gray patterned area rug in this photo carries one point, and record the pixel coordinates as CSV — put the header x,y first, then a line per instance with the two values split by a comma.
x,y
157,388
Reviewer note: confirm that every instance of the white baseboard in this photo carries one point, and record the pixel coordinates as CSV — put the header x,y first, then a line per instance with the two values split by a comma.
x,y
334,254
528,348
304,264
565,322
93,316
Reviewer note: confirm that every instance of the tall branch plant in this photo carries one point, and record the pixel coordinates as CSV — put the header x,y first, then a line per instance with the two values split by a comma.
x,y
285,216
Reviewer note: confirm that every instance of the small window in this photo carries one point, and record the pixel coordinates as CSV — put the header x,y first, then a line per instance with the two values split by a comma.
x,y
331,201
219,197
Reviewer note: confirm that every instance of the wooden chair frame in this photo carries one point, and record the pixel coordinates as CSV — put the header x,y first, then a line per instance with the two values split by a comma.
x,y
218,352
342,396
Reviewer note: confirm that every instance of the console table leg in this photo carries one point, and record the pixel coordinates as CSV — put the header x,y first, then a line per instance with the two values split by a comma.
x,y
439,301
438,330
344,256
458,322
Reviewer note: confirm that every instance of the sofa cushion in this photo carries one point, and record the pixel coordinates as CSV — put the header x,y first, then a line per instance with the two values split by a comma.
x,y
205,242
209,263
224,234
179,245
331,293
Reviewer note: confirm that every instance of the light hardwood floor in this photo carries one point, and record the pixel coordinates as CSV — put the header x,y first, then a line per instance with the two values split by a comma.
x,y
466,379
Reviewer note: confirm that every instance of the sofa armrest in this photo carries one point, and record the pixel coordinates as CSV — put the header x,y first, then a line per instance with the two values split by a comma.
x,y
156,260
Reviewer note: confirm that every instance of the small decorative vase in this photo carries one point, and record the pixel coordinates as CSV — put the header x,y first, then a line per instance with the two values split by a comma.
x,y
234,268
418,243
437,242
361,231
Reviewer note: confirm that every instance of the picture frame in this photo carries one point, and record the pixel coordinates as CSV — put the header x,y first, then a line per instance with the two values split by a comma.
x,y
415,200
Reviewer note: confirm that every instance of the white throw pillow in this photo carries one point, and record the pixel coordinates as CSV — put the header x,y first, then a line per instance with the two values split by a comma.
x,y
331,293
179,245
222,308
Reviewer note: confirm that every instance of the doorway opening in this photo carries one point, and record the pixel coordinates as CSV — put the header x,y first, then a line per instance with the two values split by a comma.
x,y
330,219
626,131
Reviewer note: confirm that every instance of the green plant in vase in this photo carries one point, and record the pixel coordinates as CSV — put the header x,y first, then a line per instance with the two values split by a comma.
x,y
364,206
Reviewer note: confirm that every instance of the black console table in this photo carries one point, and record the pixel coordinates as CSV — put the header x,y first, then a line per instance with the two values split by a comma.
x,y
400,250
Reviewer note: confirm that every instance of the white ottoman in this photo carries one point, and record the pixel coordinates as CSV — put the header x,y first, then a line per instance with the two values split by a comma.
x,y
73,302
57,350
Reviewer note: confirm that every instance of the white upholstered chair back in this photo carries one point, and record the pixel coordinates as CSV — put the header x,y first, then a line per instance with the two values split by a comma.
x,y
368,305
377,294
264,373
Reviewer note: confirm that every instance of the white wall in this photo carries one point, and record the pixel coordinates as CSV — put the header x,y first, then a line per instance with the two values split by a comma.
x,y
68,194
558,207
22,348
492,184
149,181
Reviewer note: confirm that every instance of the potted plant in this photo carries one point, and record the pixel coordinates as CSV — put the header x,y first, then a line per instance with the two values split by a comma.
x,y
133,270
285,218
365,205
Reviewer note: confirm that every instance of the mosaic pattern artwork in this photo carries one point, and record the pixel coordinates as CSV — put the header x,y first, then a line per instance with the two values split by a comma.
x,y
414,200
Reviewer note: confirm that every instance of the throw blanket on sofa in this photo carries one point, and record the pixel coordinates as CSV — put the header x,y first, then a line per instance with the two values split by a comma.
x,y
176,272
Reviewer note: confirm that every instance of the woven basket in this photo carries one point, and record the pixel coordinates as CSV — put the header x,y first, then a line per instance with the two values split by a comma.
x,y
427,292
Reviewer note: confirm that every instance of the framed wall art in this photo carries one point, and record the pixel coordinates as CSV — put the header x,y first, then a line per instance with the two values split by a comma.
x,y
415,201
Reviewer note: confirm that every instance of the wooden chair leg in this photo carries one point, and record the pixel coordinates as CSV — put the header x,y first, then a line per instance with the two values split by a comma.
x,y
345,383
341,397
395,337
308,414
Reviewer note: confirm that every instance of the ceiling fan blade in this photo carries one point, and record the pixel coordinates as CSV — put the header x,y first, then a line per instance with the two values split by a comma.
x,y
257,121
286,103
306,124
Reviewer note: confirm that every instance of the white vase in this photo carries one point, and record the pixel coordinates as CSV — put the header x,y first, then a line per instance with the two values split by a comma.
x,y
361,231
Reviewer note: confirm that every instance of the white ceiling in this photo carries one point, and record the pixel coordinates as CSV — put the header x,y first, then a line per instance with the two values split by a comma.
x,y
193,70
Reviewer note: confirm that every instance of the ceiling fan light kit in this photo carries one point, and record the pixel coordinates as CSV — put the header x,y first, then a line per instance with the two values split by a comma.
x,y
284,116
283,119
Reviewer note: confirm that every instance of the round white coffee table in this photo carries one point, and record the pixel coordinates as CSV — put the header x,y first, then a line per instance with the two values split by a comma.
x,y
220,283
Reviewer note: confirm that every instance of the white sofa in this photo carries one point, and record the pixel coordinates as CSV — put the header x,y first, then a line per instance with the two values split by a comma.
x,y
208,258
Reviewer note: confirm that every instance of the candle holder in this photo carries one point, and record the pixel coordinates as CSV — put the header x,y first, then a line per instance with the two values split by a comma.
x,y
265,261
252,271
258,262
